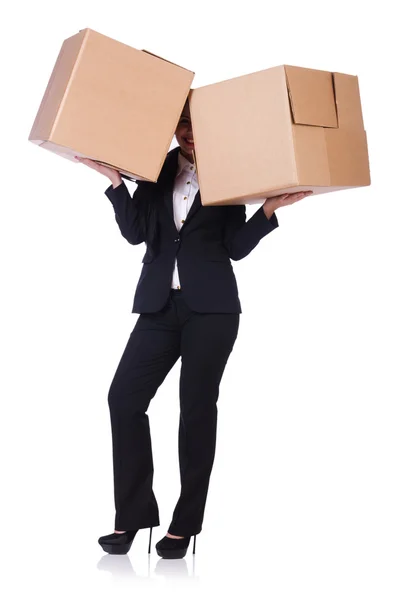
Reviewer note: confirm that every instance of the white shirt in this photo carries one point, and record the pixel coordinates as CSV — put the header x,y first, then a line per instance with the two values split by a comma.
x,y
185,189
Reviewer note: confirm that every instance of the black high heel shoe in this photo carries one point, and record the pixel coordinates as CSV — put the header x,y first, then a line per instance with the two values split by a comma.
x,y
173,547
120,543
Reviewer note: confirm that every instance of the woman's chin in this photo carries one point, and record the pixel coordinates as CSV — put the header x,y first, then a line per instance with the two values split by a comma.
x,y
188,149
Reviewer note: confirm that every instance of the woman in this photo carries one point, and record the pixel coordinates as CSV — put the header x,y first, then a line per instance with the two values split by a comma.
x,y
187,298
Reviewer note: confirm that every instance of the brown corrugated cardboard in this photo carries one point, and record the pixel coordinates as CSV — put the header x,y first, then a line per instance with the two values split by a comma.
x,y
112,103
311,96
276,131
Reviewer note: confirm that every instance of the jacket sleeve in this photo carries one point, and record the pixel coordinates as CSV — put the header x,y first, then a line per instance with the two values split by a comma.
x,y
240,236
126,212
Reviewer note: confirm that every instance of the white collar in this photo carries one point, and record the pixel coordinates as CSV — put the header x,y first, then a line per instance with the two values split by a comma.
x,y
183,163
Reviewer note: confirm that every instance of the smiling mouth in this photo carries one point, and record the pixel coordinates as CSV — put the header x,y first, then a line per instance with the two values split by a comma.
x,y
189,141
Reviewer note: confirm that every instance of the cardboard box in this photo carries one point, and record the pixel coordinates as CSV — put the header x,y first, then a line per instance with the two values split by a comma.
x,y
280,130
111,103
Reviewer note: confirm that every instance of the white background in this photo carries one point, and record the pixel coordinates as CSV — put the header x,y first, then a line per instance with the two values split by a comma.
x,y
302,502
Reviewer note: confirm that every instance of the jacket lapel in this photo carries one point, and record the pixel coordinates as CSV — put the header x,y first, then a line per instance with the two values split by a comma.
x,y
194,208
167,179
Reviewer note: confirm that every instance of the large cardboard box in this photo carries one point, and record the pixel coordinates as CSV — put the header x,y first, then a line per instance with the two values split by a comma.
x,y
112,103
280,130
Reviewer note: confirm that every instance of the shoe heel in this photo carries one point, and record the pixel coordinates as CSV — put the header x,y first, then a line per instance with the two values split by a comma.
x,y
194,545
150,540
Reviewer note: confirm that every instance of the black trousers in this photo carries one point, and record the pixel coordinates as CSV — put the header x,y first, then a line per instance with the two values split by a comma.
x,y
204,342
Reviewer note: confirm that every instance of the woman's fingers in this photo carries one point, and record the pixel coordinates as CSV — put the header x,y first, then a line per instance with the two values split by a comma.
x,y
102,169
88,162
297,195
289,198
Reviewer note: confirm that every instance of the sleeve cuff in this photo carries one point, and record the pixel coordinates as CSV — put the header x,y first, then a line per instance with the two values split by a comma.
x,y
111,191
273,219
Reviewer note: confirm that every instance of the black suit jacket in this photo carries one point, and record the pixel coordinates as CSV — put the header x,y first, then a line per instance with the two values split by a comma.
x,y
209,238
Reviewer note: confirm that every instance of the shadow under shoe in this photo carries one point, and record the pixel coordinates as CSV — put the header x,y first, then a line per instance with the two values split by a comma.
x,y
174,548
117,543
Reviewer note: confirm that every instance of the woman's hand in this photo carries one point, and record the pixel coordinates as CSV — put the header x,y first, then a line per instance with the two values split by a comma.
x,y
112,174
275,202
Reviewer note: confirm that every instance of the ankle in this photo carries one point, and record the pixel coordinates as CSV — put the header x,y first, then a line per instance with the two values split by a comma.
x,y
174,537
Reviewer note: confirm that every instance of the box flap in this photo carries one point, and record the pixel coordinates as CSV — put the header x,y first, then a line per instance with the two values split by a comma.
x,y
347,157
348,101
311,155
311,95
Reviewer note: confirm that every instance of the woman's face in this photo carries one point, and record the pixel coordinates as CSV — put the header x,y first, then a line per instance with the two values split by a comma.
x,y
184,134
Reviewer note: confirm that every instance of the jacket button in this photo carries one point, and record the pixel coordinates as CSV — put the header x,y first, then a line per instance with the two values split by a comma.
x,y
177,240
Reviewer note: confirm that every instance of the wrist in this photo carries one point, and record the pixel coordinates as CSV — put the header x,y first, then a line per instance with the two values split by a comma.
x,y
270,206
116,181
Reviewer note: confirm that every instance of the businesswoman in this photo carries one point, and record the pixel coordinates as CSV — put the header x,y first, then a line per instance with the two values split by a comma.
x,y
188,305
